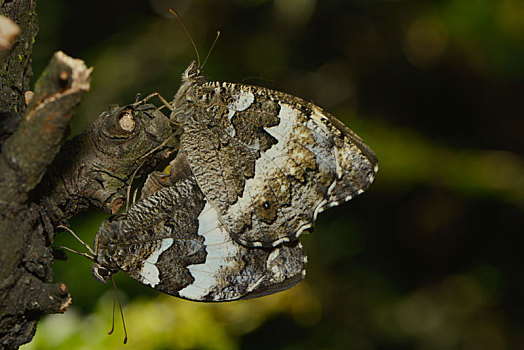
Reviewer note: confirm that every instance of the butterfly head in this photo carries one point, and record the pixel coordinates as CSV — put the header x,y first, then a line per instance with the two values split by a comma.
x,y
101,273
193,74
192,77
104,266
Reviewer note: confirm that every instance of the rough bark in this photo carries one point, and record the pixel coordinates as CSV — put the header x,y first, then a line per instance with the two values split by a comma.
x,y
45,180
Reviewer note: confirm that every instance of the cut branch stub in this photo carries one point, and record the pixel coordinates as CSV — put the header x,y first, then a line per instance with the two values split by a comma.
x,y
94,168
63,76
33,146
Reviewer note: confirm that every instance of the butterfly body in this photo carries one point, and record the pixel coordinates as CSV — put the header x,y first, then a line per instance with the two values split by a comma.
x,y
254,169
173,242
268,161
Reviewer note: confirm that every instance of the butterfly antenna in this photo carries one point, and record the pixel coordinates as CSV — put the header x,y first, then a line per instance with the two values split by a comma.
x,y
79,240
113,318
187,32
211,49
117,297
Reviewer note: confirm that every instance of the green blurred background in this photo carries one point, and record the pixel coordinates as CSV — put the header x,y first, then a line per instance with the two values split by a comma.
x,y
428,258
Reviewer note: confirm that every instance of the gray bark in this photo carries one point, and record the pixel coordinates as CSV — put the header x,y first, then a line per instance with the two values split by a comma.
x,y
45,180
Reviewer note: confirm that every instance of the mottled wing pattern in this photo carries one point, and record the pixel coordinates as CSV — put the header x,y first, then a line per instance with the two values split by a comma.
x,y
269,162
173,241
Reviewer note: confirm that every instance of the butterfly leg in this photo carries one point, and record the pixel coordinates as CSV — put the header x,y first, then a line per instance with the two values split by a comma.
x,y
150,96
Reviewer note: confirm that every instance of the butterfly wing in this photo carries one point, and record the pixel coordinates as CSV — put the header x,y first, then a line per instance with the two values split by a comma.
x,y
173,241
270,162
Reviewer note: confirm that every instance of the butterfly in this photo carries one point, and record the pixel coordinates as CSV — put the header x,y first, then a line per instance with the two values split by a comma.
x,y
254,169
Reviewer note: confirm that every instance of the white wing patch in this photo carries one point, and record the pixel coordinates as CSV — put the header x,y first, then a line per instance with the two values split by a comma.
x,y
287,116
264,169
221,254
276,162
241,102
149,271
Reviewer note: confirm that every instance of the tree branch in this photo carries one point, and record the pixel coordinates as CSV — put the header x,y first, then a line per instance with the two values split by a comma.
x,y
25,255
9,31
16,71
94,168
28,152
44,181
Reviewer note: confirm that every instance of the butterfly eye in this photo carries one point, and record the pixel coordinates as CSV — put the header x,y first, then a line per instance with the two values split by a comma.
x,y
100,273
